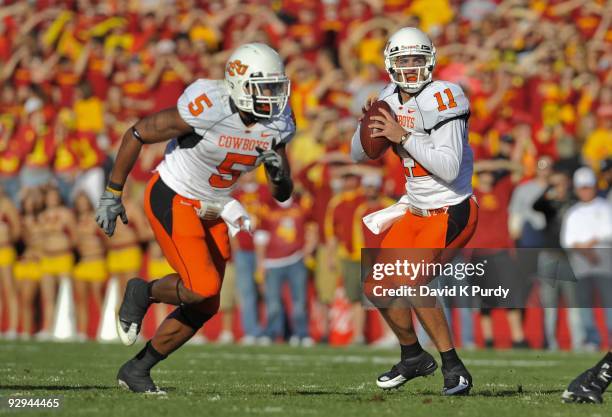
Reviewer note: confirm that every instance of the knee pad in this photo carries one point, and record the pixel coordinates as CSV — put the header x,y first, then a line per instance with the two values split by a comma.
x,y
190,316
209,306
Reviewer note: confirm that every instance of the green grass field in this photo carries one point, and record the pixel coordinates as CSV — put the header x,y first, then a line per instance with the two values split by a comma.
x,y
284,381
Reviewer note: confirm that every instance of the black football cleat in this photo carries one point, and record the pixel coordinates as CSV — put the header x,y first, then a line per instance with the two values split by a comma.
x,y
133,309
135,380
422,365
589,386
457,380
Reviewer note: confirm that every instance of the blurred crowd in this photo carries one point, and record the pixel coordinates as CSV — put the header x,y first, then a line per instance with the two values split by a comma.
x,y
76,74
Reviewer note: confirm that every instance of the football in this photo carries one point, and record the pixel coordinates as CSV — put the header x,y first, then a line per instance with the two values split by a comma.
x,y
373,147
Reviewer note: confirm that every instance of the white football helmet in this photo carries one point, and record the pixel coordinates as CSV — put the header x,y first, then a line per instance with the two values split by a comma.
x,y
256,80
404,42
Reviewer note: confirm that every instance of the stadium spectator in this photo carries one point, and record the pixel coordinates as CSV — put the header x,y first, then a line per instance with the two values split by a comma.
x,y
374,200
124,254
27,269
90,272
58,224
554,203
320,180
587,230
10,230
340,230
37,145
526,224
493,193
282,240
251,194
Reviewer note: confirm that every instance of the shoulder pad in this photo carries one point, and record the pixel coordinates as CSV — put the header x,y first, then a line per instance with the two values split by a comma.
x,y
441,101
203,103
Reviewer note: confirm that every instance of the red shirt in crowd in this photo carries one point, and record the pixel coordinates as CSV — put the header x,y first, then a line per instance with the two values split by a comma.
x,y
339,220
284,230
169,89
362,236
67,82
96,77
493,216
316,179
85,146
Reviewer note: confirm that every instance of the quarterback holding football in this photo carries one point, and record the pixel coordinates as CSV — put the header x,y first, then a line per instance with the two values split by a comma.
x,y
220,129
426,122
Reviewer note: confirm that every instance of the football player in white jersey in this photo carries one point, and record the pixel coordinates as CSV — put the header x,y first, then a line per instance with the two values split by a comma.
x,y
428,131
219,130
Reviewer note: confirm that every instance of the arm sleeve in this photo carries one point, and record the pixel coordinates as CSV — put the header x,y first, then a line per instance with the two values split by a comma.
x,y
443,156
357,152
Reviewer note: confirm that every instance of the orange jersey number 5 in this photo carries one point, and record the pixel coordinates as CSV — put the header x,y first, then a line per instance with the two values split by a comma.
x,y
196,107
451,100
227,168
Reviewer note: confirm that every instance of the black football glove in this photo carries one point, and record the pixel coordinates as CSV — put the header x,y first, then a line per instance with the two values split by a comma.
x,y
272,161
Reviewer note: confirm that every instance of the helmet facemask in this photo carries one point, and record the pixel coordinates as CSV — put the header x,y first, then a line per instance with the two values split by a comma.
x,y
402,70
265,96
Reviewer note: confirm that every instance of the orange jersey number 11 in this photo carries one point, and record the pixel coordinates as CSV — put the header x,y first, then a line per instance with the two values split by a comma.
x,y
196,107
451,100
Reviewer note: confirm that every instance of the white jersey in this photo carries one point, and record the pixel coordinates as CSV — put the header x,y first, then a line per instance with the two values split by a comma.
x,y
206,164
437,158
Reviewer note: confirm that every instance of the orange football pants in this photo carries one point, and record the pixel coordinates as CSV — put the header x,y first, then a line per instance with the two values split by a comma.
x,y
422,239
452,229
197,249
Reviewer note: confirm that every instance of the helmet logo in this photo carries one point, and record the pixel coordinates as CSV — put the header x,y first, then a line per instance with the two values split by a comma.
x,y
236,67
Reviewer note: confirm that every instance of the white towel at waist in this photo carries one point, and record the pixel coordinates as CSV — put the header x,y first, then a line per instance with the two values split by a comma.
x,y
381,220
236,217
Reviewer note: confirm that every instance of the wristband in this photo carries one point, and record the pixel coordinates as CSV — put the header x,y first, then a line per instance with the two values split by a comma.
x,y
113,187
404,139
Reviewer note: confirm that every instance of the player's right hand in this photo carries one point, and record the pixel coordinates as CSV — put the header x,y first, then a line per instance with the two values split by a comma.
x,y
272,161
109,208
